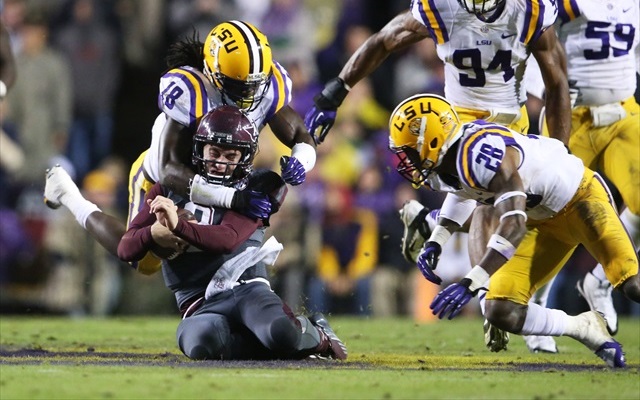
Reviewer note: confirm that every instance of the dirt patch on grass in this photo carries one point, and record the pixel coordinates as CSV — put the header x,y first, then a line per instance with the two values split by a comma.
x,y
91,357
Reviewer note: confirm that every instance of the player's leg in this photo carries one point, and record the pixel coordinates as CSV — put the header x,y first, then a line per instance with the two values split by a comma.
x,y
602,233
508,306
60,190
275,326
541,344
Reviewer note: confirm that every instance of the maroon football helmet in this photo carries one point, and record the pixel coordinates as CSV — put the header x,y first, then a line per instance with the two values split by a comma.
x,y
227,127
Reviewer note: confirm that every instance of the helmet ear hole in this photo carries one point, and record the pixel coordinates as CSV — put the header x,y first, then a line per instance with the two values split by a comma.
x,y
434,143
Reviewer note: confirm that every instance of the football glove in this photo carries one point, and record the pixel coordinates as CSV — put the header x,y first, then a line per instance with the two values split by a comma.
x,y
252,204
451,299
428,260
292,170
323,114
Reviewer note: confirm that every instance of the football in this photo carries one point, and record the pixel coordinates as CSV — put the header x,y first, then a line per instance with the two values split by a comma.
x,y
169,253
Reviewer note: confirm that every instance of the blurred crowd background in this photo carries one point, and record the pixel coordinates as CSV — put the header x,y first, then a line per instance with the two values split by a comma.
x,y
86,97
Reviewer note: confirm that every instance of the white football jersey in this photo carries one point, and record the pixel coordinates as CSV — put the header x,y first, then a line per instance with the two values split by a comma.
x,y
601,39
485,61
550,175
186,95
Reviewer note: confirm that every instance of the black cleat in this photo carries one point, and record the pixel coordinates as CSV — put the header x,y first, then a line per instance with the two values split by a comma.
x,y
332,346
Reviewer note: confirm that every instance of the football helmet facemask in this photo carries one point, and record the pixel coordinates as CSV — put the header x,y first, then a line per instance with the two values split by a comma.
x,y
481,7
238,62
421,130
227,127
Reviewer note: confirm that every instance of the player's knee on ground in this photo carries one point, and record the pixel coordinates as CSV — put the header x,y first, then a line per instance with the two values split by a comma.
x,y
505,315
284,336
204,337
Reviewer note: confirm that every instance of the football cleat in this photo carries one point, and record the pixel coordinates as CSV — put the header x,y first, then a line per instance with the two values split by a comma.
x,y
57,184
495,339
540,344
593,333
335,347
598,295
416,229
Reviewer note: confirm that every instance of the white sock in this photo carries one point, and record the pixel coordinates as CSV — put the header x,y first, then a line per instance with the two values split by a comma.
x,y
482,300
432,218
598,272
542,321
631,223
80,207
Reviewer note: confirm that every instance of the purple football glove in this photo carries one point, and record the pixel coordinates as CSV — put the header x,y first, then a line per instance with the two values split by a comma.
x,y
451,299
428,260
323,114
292,170
317,118
252,204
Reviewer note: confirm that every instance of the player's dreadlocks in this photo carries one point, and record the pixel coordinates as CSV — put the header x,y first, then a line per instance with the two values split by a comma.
x,y
186,52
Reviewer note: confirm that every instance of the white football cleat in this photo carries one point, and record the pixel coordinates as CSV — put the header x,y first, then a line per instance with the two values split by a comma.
x,y
495,339
593,333
416,229
57,184
598,295
540,344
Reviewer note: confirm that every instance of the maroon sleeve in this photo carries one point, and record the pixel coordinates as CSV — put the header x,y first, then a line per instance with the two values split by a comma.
x,y
233,230
137,240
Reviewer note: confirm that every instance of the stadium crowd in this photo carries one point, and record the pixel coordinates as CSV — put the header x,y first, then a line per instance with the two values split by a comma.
x,y
85,97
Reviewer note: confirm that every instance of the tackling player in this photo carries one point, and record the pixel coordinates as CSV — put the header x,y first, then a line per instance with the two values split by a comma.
x,y
233,66
221,284
534,214
485,45
601,43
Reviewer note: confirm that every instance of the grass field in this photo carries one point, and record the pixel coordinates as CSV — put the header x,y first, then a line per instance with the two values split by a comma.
x,y
136,358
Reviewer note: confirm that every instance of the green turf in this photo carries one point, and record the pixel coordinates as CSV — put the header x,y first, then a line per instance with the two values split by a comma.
x,y
388,359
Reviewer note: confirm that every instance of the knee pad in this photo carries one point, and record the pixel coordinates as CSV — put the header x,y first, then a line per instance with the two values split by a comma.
x,y
203,337
284,336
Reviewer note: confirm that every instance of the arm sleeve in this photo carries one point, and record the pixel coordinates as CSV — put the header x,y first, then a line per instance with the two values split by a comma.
x,y
137,241
233,230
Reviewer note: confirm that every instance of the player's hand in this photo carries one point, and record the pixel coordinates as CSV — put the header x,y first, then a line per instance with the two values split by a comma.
x,y
165,210
323,114
252,204
292,170
451,299
319,119
165,238
428,260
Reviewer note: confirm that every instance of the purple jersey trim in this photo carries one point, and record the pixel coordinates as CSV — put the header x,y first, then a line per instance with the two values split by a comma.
x,y
193,113
564,14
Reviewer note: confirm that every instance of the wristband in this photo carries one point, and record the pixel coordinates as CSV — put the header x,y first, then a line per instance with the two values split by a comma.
x,y
202,192
478,277
508,195
306,154
502,246
440,235
514,212
333,93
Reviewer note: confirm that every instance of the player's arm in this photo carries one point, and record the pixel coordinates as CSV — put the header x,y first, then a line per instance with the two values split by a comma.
x,y
175,150
138,239
401,32
289,128
552,60
233,230
509,208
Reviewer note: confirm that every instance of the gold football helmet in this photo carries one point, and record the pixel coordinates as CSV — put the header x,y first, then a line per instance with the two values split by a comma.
x,y
421,130
238,62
